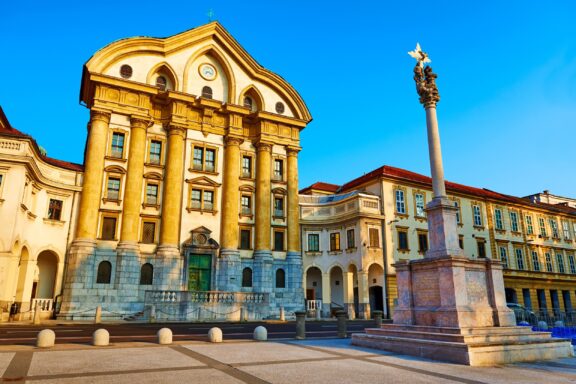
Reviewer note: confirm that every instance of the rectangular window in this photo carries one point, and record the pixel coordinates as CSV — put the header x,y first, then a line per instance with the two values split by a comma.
x,y
55,209
400,205
535,261
198,158
554,228
566,230
247,166
202,199
155,151
196,199
246,202
458,220
335,241
313,242
419,199
514,221
477,215
278,170
245,239
529,225
113,192
350,238
461,241
210,160
519,259
108,228
498,219
208,200
549,266
571,264
278,240
504,256
279,206
422,242
542,224
117,145
481,249
560,263
148,232
152,194
374,237
403,240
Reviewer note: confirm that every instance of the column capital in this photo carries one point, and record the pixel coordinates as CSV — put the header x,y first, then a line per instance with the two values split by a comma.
x,y
292,151
233,140
137,121
263,146
175,129
99,114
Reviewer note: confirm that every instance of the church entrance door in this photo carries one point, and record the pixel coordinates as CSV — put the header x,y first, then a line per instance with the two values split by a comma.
x,y
199,270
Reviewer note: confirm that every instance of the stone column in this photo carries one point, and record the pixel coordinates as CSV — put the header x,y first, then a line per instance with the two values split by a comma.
x,y
263,254
134,180
435,151
168,251
348,282
229,271
363,296
87,228
326,294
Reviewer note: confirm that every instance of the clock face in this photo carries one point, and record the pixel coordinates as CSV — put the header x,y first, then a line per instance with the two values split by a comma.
x,y
207,71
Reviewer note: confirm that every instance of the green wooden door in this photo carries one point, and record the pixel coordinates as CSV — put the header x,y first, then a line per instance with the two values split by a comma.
x,y
199,270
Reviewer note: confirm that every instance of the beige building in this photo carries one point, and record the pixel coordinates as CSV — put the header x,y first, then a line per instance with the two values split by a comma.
x,y
38,201
534,240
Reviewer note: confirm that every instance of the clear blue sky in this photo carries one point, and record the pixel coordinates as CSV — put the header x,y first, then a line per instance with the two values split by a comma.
x,y
507,78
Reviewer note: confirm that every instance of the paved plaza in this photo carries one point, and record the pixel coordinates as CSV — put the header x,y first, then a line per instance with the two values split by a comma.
x,y
310,361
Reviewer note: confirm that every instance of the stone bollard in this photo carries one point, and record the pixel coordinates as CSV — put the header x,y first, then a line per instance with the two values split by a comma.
x,y
164,336
152,314
282,315
215,335
37,311
100,338
98,315
300,325
318,313
542,325
260,333
341,316
378,317
559,323
45,338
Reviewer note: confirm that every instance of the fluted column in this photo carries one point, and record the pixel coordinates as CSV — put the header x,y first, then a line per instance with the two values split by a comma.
x,y
133,189
173,182
263,171
230,193
93,169
293,209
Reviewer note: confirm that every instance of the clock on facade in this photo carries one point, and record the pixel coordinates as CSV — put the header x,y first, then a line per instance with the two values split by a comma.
x,y
207,71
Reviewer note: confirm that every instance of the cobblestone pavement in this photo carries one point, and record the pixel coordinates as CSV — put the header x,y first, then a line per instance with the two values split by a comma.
x,y
301,362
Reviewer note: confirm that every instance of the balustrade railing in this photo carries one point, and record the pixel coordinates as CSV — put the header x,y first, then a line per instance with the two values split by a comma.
x,y
206,297
45,304
313,305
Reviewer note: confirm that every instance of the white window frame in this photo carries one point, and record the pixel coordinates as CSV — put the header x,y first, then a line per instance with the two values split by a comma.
x,y
519,259
535,261
514,227
477,215
419,203
566,229
400,201
498,219
529,225
503,256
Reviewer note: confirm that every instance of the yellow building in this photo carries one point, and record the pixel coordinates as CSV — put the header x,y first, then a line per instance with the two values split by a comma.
x,y
534,240
191,179
38,202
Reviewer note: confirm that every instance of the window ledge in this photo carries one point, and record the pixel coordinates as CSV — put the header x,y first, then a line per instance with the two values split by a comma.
x,y
279,217
313,253
54,222
479,227
202,211
31,215
154,165
23,207
115,201
335,252
155,206
247,178
213,173
421,218
121,159
516,233
351,249
279,181
403,215
248,215
500,231
404,250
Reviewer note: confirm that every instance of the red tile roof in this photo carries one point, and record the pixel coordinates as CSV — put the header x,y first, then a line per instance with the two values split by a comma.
x,y
6,129
404,175
321,186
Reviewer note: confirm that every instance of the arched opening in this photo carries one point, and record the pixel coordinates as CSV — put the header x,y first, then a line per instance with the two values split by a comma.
x,y
511,296
375,290
47,269
336,289
104,273
146,274
163,77
247,277
252,99
206,92
280,278
313,286
26,269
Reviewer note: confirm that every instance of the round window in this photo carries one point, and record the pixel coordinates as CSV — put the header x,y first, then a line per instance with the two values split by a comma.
x,y
279,108
126,71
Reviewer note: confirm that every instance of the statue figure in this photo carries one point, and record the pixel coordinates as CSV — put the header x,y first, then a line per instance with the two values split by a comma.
x,y
425,79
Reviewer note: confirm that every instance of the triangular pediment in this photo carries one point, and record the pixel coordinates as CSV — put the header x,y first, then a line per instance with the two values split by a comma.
x,y
203,180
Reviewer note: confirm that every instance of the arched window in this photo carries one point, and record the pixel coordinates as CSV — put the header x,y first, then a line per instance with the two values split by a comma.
x,y
247,278
207,92
280,278
104,273
161,83
146,274
248,102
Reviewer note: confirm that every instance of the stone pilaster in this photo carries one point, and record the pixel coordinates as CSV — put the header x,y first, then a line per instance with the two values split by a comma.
x,y
93,170
263,203
134,181
363,296
293,207
348,280
230,194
